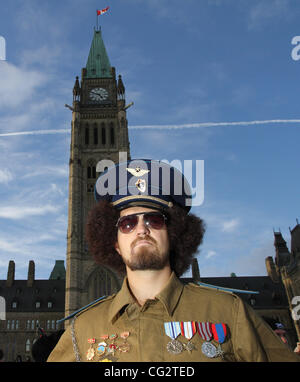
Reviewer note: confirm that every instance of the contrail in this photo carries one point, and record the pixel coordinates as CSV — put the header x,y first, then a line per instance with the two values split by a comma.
x,y
164,127
212,124
35,132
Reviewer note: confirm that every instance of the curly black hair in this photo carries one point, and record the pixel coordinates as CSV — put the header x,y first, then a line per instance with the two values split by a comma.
x,y
185,233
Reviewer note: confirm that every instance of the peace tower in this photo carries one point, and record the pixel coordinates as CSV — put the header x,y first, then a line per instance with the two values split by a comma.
x,y
99,131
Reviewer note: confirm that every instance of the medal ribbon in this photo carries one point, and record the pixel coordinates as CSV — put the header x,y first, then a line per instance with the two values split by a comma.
x,y
219,332
188,329
204,330
172,329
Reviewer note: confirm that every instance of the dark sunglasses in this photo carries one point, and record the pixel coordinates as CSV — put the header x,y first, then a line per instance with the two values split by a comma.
x,y
155,220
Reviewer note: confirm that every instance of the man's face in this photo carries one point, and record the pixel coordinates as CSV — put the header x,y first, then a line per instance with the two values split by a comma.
x,y
144,248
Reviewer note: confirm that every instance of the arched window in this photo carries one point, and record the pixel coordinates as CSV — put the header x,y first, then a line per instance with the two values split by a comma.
x,y
95,134
103,134
112,134
86,135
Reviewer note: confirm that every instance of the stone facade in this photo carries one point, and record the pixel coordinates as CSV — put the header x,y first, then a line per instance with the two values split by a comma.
x,y
29,304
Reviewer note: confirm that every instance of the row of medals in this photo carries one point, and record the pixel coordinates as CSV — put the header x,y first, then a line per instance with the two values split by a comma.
x,y
207,348
104,348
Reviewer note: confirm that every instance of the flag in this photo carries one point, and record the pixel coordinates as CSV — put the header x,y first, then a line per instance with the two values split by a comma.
x,y
100,12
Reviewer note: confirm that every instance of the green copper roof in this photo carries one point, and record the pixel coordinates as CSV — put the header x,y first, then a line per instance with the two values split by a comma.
x,y
58,272
98,65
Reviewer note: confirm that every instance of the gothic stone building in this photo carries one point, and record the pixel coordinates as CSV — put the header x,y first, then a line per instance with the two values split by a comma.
x,y
30,304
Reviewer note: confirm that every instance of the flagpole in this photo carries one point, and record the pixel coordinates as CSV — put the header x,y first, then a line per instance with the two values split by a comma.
x,y
97,17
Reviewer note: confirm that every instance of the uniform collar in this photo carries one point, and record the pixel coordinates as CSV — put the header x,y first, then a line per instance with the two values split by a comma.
x,y
169,297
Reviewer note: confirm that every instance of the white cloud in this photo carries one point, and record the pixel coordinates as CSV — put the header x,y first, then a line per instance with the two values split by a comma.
x,y
210,254
21,212
5,176
267,10
17,85
230,225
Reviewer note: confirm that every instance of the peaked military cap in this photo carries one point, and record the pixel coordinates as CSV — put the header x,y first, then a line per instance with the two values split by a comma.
x,y
144,182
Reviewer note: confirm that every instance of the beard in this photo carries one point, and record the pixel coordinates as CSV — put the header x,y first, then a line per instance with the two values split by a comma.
x,y
146,257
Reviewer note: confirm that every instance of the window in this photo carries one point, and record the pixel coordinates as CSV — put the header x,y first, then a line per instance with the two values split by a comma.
x,y
86,135
28,325
27,346
13,325
103,134
8,325
48,324
32,325
14,304
50,304
17,324
95,135
112,134
37,304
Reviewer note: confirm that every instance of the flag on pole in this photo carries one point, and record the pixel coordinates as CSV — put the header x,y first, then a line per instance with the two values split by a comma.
x,y
102,11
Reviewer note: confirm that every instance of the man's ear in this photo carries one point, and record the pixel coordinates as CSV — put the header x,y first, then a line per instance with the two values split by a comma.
x,y
117,248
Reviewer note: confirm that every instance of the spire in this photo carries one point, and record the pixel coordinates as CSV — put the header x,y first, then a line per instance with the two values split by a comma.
x,y
121,88
98,65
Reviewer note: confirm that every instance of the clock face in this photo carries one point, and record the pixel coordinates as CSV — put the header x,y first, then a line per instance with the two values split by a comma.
x,y
98,94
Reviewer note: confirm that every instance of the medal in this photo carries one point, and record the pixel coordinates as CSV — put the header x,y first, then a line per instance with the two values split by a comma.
x,y
112,347
91,352
219,332
209,350
188,329
124,347
172,330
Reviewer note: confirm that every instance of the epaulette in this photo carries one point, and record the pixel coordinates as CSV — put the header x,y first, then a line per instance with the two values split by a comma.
x,y
223,289
88,306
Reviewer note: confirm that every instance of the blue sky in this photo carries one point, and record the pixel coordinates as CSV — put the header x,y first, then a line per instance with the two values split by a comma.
x,y
182,62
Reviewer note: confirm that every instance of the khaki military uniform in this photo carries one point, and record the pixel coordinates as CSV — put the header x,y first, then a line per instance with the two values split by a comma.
x,y
134,333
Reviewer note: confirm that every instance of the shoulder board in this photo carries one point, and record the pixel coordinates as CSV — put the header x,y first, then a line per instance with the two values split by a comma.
x,y
81,310
231,290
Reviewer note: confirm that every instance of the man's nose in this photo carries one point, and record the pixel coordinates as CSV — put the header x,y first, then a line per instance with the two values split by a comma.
x,y
142,228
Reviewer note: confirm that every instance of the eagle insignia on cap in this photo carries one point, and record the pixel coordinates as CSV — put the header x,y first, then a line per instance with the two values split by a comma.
x,y
137,171
141,185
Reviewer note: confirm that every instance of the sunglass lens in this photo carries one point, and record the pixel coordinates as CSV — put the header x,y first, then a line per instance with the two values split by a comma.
x,y
155,221
127,223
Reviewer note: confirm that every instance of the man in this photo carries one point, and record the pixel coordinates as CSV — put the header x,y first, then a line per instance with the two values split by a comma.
x,y
142,227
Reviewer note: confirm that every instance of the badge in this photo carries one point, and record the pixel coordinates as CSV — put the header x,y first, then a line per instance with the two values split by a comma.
x,y
172,330
188,329
137,171
101,348
124,347
141,185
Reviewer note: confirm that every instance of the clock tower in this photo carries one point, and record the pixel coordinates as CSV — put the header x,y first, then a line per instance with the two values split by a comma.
x,y
98,131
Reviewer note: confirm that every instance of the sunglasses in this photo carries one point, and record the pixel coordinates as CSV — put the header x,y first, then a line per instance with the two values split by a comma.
x,y
155,220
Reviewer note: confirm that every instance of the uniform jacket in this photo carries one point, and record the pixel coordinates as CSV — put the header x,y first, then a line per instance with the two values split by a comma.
x,y
118,329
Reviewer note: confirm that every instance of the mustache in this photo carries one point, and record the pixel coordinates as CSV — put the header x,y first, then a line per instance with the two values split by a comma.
x,y
147,238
